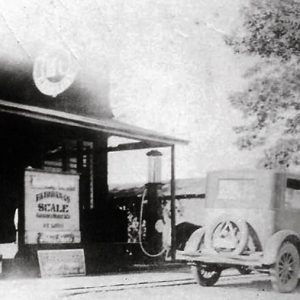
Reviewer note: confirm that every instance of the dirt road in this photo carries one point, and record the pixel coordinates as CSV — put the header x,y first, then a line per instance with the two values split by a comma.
x,y
175,284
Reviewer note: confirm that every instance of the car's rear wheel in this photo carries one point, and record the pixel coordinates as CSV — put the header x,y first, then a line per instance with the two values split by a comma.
x,y
284,273
206,275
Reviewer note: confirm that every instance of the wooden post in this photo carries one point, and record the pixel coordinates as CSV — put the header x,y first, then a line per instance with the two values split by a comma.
x,y
87,197
100,172
65,158
79,155
21,212
173,208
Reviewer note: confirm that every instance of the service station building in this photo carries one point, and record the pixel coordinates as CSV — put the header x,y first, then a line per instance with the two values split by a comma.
x,y
54,157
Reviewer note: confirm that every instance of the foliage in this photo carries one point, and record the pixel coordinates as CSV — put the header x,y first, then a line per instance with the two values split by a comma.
x,y
271,101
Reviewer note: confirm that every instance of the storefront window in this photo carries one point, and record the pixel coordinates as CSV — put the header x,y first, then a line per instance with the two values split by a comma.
x,y
73,157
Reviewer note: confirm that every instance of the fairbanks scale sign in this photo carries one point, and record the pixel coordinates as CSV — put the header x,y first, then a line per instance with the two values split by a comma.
x,y
51,207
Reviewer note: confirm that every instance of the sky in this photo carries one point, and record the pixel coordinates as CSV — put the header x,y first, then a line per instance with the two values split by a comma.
x,y
176,76
167,67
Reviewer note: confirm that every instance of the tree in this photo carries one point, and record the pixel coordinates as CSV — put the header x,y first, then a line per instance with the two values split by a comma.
x,y
271,102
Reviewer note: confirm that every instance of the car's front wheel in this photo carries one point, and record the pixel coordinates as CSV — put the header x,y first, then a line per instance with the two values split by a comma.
x,y
284,273
206,275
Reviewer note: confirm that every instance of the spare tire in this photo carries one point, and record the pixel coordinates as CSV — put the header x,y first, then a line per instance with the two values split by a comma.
x,y
227,235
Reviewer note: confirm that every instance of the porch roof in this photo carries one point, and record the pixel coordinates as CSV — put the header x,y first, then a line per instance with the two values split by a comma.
x,y
110,126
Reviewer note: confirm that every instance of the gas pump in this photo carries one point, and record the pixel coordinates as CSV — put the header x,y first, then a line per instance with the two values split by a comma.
x,y
151,212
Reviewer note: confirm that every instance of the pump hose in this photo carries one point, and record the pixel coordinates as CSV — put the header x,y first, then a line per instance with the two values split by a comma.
x,y
164,248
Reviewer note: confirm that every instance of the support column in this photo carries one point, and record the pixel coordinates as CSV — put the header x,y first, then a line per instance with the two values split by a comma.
x,y
65,158
79,155
100,172
173,208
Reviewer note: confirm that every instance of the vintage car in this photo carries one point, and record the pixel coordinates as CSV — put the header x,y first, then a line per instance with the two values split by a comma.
x,y
252,222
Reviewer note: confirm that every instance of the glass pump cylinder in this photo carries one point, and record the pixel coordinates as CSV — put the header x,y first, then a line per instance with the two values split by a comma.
x,y
154,166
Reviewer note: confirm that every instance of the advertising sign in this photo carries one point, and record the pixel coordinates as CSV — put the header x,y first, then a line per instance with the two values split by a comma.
x,y
51,207
54,72
67,262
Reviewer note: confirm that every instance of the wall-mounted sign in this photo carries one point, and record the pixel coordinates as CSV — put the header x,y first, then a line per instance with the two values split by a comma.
x,y
54,72
51,207
67,262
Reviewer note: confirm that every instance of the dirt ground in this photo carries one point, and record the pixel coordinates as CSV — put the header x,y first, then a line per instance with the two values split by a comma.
x,y
171,284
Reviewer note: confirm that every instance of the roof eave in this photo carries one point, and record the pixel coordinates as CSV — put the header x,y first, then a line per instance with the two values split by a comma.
x,y
106,125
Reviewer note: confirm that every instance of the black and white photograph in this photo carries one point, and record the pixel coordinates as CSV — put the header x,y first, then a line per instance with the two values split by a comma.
x,y
149,149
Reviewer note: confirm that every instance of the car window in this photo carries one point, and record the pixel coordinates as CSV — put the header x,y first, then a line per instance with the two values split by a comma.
x,y
236,193
292,194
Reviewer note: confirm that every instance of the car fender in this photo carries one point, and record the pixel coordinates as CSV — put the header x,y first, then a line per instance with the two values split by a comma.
x,y
194,240
275,242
